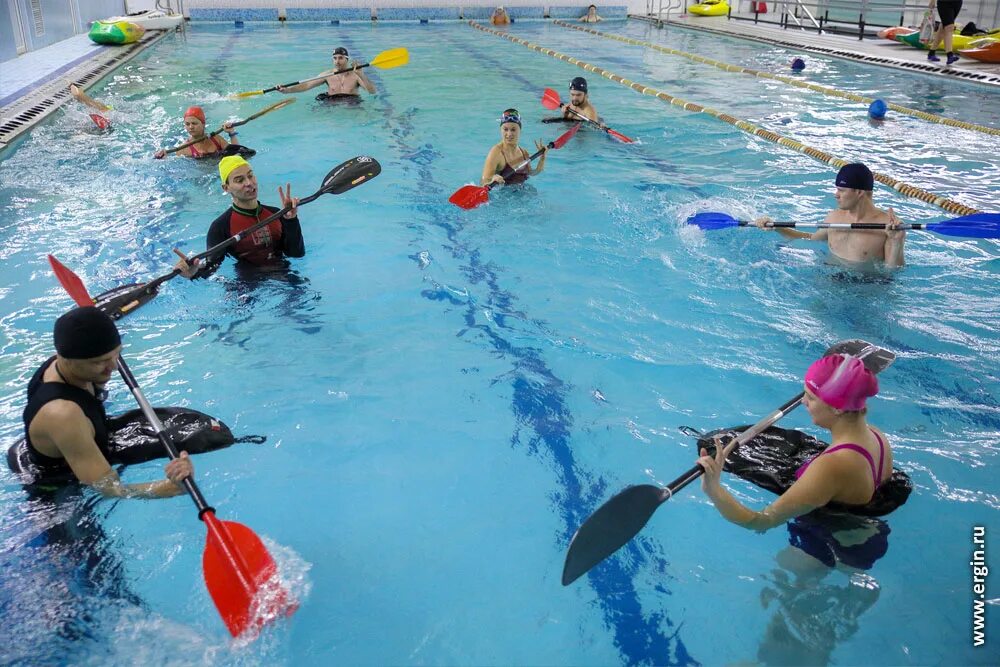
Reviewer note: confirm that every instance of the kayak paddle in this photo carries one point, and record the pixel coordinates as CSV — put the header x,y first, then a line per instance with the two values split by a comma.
x,y
343,177
550,100
620,519
471,196
385,60
273,107
977,225
240,574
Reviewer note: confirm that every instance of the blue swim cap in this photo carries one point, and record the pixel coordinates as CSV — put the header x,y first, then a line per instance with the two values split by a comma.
x,y
798,64
877,109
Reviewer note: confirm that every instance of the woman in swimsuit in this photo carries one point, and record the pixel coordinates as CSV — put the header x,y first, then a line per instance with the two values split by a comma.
x,y
205,146
848,472
503,164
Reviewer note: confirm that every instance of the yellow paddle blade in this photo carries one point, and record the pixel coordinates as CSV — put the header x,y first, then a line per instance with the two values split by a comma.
x,y
391,58
249,93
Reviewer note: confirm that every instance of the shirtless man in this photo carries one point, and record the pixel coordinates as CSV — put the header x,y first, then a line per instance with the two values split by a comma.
x,y
344,79
855,183
579,101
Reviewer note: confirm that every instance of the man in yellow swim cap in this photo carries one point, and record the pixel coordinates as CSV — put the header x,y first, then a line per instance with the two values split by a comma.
x,y
265,248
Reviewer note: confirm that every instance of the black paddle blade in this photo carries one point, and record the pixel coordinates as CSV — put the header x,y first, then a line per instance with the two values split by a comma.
x,y
610,528
121,301
351,174
875,358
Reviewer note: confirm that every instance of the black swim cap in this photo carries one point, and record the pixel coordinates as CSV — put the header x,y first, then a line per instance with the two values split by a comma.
x,y
856,176
579,83
85,333
340,51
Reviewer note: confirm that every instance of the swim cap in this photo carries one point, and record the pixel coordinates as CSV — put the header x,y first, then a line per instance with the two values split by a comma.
x,y
85,333
877,109
857,176
841,381
579,83
511,116
227,164
798,64
196,112
340,51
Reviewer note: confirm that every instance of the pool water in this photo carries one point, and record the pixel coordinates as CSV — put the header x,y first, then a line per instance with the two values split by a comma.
x,y
448,394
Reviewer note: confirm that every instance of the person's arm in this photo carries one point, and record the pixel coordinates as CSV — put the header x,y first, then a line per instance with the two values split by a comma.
x,y
490,174
65,426
818,235
308,85
227,127
815,488
217,233
364,80
292,244
895,239
541,160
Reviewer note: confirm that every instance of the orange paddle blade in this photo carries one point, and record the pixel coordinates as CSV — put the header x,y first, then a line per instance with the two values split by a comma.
x,y
71,283
619,136
470,196
242,578
550,99
565,136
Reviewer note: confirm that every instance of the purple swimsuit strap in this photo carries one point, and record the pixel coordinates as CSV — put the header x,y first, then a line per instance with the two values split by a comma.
x,y
876,472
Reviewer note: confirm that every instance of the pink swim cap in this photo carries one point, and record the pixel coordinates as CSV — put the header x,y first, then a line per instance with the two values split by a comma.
x,y
196,112
841,381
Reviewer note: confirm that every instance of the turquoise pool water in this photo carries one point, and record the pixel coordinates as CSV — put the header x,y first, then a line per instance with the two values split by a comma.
x,y
449,394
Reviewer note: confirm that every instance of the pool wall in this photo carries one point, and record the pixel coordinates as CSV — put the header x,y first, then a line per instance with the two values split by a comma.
x,y
391,10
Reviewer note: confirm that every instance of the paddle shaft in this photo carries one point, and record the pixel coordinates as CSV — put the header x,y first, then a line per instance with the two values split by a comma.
x,y
584,118
835,225
315,78
538,153
154,421
222,129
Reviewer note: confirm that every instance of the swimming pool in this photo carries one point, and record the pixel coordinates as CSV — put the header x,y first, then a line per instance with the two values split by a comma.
x,y
451,393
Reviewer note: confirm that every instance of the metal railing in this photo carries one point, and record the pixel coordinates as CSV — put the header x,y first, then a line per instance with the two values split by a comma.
x,y
848,16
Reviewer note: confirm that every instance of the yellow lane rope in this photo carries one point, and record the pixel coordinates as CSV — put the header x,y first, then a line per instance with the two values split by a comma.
x,y
903,188
923,115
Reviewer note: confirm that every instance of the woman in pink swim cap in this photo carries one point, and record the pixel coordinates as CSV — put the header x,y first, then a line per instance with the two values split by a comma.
x,y
849,471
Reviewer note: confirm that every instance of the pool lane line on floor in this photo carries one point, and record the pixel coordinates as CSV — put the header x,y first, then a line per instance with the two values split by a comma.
x,y
539,402
825,90
905,189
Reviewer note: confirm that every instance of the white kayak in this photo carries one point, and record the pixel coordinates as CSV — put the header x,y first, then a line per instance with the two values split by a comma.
x,y
151,19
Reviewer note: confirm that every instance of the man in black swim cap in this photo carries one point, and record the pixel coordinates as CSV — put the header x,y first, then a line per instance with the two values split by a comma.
x,y
65,424
854,186
339,81
579,101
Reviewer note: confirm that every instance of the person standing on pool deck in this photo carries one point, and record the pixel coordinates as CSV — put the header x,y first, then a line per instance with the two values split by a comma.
x,y
591,15
948,12
579,101
267,247
855,183
194,123
849,471
337,84
504,157
65,425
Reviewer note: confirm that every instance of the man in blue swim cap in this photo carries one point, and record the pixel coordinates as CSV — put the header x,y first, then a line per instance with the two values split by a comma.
x,y
579,101
854,186
878,109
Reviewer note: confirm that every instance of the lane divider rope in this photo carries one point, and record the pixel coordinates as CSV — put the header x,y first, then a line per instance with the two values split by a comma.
x,y
815,87
901,187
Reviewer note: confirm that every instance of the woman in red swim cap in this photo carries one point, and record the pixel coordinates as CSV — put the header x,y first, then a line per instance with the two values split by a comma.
x,y
204,146
847,472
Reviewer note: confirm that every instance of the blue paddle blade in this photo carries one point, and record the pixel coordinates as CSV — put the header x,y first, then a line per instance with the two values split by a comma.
x,y
977,226
709,220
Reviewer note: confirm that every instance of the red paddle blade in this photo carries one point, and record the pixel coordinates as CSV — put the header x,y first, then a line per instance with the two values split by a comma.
x,y
470,196
619,136
71,283
550,99
100,121
566,136
242,578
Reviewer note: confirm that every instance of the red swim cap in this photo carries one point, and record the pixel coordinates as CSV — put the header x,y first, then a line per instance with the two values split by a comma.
x,y
196,112
841,381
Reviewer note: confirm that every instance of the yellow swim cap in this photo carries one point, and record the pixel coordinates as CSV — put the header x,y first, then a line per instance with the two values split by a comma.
x,y
227,164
